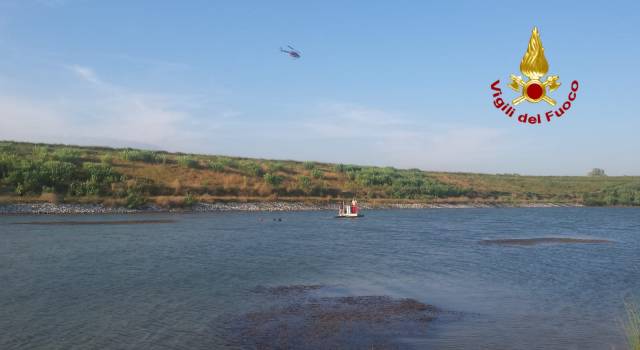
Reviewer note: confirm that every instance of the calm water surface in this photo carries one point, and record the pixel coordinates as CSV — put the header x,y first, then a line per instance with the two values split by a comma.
x,y
174,285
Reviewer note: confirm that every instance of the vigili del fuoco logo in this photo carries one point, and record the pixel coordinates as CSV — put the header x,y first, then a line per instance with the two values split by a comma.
x,y
535,89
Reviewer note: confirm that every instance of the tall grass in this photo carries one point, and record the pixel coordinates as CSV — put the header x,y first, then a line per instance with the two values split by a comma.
x,y
632,326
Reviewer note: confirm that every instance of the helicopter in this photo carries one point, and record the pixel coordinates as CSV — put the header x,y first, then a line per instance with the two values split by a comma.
x,y
293,53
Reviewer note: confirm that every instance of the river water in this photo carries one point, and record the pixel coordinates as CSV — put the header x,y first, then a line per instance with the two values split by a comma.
x,y
174,281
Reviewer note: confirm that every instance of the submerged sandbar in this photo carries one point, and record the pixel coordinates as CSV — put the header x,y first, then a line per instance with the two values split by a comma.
x,y
543,240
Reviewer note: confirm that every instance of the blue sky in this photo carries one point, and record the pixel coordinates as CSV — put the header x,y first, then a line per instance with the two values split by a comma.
x,y
402,83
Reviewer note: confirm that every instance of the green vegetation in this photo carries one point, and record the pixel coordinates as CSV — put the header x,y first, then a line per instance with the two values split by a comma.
x,y
38,174
275,167
31,176
418,186
251,168
135,200
132,178
106,159
39,152
597,172
228,162
98,182
632,326
216,166
68,155
272,179
623,194
317,173
133,155
187,162
189,200
304,182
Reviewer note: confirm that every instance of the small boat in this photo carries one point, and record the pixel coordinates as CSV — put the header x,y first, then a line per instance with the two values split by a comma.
x,y
349,211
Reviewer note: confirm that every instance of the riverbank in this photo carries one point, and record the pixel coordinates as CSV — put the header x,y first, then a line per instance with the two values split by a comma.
x,y
41,173
92,209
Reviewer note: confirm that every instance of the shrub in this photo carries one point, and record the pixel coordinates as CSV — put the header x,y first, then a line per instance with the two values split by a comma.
x,y
626,194
416,186
135,200
352,171
304,182
353,168
309,165
31,176
7,147
317,173
340,168
274,167
99,178
228,162
102,172
189,200
106,159
187,162
251,168
272,179
413,187
69,155
216,166
7,163
133,155
39,152
85,188
36,176
376,176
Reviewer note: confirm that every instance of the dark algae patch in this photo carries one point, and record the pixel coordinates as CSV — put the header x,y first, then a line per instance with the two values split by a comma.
x,y
344,322
105,222
543,240
287,290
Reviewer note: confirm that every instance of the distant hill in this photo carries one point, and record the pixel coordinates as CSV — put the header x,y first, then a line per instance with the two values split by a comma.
x,y
130,177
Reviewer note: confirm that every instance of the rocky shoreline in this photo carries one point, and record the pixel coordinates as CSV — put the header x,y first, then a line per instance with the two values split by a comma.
x,y
92,209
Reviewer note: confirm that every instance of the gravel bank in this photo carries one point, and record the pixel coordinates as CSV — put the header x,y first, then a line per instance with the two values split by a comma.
x,y
67,209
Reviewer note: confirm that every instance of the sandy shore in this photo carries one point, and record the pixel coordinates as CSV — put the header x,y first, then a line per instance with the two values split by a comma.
x,y
65,209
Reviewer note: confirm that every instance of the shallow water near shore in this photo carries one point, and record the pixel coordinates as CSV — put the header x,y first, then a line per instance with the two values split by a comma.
x,y
185,281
